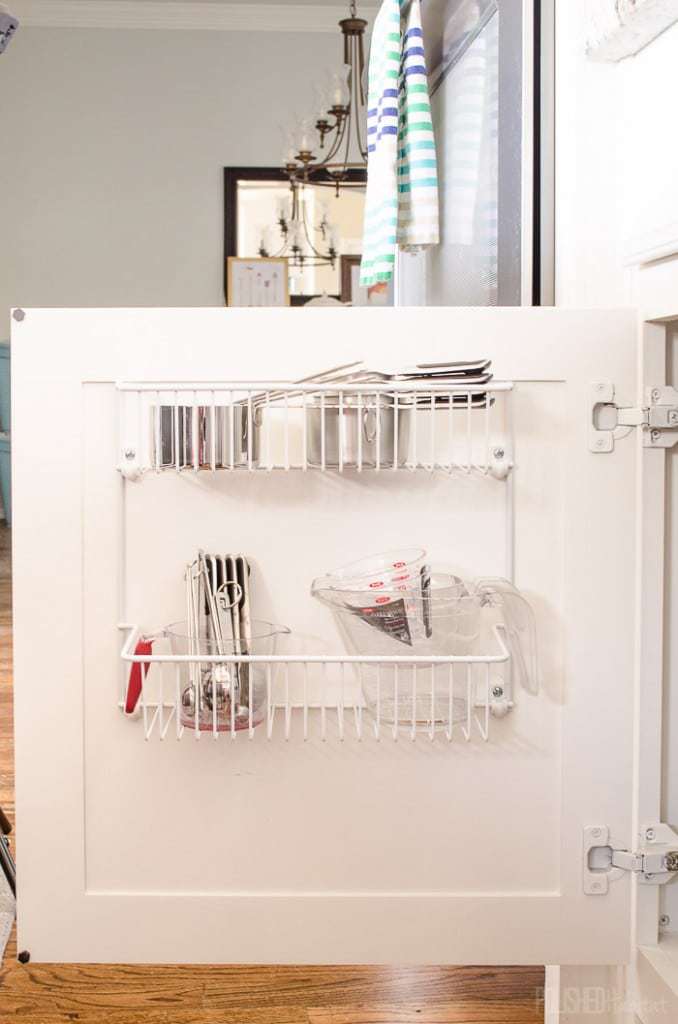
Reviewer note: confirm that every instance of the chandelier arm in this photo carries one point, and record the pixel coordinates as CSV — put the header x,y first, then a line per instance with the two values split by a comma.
x,y
361,68
336,146
337,129
343,141
336,170
358,92
295,186
316,252
308,237
333,127
341,135
347,157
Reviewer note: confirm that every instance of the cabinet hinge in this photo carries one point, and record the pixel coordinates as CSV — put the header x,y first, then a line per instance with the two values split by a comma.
x,y
610,421
655,862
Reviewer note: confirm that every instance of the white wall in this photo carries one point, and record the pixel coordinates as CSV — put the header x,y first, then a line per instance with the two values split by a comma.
x,y
616,161
111,156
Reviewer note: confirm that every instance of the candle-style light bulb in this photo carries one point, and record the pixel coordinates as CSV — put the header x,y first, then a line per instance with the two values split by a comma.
x,y
342,91
305,136
289,150
321,103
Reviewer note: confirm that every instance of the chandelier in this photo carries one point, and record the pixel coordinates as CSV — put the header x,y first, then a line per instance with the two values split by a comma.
x,y
331,147
303,243
328,150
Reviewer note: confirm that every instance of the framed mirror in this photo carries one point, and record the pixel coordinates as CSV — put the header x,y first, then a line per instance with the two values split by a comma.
x,y
312,227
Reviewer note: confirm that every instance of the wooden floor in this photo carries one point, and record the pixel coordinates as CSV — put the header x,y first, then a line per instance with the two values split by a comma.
x,y
93,994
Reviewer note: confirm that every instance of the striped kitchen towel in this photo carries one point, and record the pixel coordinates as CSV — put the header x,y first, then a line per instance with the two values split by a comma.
x,y
418,216
381,200
401,204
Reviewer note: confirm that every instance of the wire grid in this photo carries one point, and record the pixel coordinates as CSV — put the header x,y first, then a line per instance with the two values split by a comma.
x,y
322,697
268,426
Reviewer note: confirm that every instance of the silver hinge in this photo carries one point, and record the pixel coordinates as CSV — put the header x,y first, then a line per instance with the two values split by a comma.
x,y
655,862
658,418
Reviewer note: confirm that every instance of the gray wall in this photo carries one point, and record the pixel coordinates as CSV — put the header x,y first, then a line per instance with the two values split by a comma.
x,y
111,156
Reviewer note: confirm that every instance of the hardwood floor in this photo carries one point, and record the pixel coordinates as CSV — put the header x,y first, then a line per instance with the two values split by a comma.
x,y
120,994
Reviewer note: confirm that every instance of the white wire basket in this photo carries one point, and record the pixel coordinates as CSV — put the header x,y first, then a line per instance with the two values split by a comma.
x,y
266,426
307,697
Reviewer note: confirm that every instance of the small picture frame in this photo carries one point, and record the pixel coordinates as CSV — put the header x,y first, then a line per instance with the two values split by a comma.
x,y
260,282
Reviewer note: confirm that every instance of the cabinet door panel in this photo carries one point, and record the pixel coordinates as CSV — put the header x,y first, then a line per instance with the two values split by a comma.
x,y
342,851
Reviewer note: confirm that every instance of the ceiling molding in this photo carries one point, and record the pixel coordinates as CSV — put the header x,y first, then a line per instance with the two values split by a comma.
x,y
183,15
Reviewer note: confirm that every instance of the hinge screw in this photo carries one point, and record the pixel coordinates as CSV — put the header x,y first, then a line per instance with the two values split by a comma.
x,y
664,921
673,416
129,454
671,860
600,386
649,834
655,394
596,833
499,453
497,691
655,435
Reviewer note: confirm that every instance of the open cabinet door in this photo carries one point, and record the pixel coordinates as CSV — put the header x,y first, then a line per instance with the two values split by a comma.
x,y
334,848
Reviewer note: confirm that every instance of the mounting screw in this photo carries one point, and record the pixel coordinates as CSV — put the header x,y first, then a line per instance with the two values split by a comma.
x,y
19,315
129,454
596,833
23,957
600,443
655,435
673,416
600,386
497,691
648,876
664,921
655,394
649,834
499,453
596,886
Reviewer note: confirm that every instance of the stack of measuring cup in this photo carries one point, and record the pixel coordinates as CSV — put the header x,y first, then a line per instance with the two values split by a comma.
x,y
390,605
395,604
391,599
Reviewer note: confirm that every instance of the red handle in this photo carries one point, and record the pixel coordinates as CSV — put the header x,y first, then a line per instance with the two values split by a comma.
x,y
137,674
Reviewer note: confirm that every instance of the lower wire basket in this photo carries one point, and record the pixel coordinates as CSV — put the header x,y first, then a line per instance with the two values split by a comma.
x,y
313,696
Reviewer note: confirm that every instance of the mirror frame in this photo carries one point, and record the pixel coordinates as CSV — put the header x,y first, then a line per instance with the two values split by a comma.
x,y
232,175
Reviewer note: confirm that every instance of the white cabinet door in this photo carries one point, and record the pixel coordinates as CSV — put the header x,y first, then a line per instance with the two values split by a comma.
x,y
342,850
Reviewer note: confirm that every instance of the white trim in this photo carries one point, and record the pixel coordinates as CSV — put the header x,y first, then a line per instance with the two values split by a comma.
x,y
657,244
551,995
183,15
621,28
